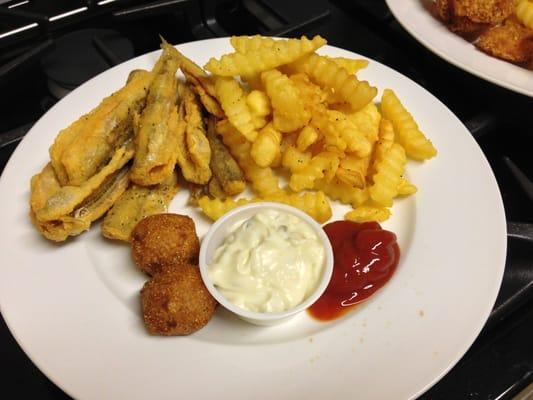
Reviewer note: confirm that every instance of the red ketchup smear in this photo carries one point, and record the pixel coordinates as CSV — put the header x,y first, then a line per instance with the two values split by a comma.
x,y
365,257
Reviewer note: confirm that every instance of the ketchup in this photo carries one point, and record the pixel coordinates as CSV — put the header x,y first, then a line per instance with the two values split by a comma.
x,y
365,257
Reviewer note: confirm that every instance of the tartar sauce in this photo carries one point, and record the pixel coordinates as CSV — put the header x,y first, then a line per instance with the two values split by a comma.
x,y
269,263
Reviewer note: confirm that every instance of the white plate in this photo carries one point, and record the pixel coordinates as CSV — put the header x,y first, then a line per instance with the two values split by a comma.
x,y
74,308
415,17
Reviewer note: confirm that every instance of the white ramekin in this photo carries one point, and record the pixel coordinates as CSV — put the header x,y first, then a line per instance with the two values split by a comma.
x,y
221,228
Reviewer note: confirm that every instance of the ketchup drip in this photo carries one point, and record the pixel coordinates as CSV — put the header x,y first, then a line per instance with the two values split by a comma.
x,y
365,257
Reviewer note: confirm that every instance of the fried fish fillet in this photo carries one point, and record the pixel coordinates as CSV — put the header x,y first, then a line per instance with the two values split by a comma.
x,y
81,149
155,155
137,203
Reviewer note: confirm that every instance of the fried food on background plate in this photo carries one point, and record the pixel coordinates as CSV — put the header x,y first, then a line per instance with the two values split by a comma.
x,y
483,11
469,18
510,41
164,241
497,27
176,302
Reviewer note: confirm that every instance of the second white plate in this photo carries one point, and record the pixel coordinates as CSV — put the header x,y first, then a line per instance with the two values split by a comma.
x,y
415,17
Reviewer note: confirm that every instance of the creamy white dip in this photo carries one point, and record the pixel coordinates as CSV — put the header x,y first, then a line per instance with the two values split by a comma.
x,y
269,263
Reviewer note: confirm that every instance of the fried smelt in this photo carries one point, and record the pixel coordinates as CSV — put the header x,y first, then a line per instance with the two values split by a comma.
x,y
224,167
137,203
215,189
191,69
72,199
510,41
164,241
80,219
196,139
193,151
155,155
176,302
81,149
210,103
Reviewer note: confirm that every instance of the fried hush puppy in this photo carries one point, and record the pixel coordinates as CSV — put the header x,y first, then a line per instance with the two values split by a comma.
x,y
164,241
176,302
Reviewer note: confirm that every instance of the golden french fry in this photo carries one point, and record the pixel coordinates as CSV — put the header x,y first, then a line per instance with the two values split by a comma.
x,y
323,165
388,175
353,170
264,58
266,147
289,113
262,180
351,65
368,213
328,74
233,100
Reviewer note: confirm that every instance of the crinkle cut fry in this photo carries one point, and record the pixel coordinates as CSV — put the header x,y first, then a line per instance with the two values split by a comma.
x,y
388,176
327,73
289,113
245,44
316,204
407,133
233,101
262,180
263,59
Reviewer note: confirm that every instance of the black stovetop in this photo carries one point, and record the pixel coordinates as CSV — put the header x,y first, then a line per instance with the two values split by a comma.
x,y
500,362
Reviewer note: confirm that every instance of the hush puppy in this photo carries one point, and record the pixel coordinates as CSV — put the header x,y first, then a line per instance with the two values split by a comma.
x,y
164,241
176,302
